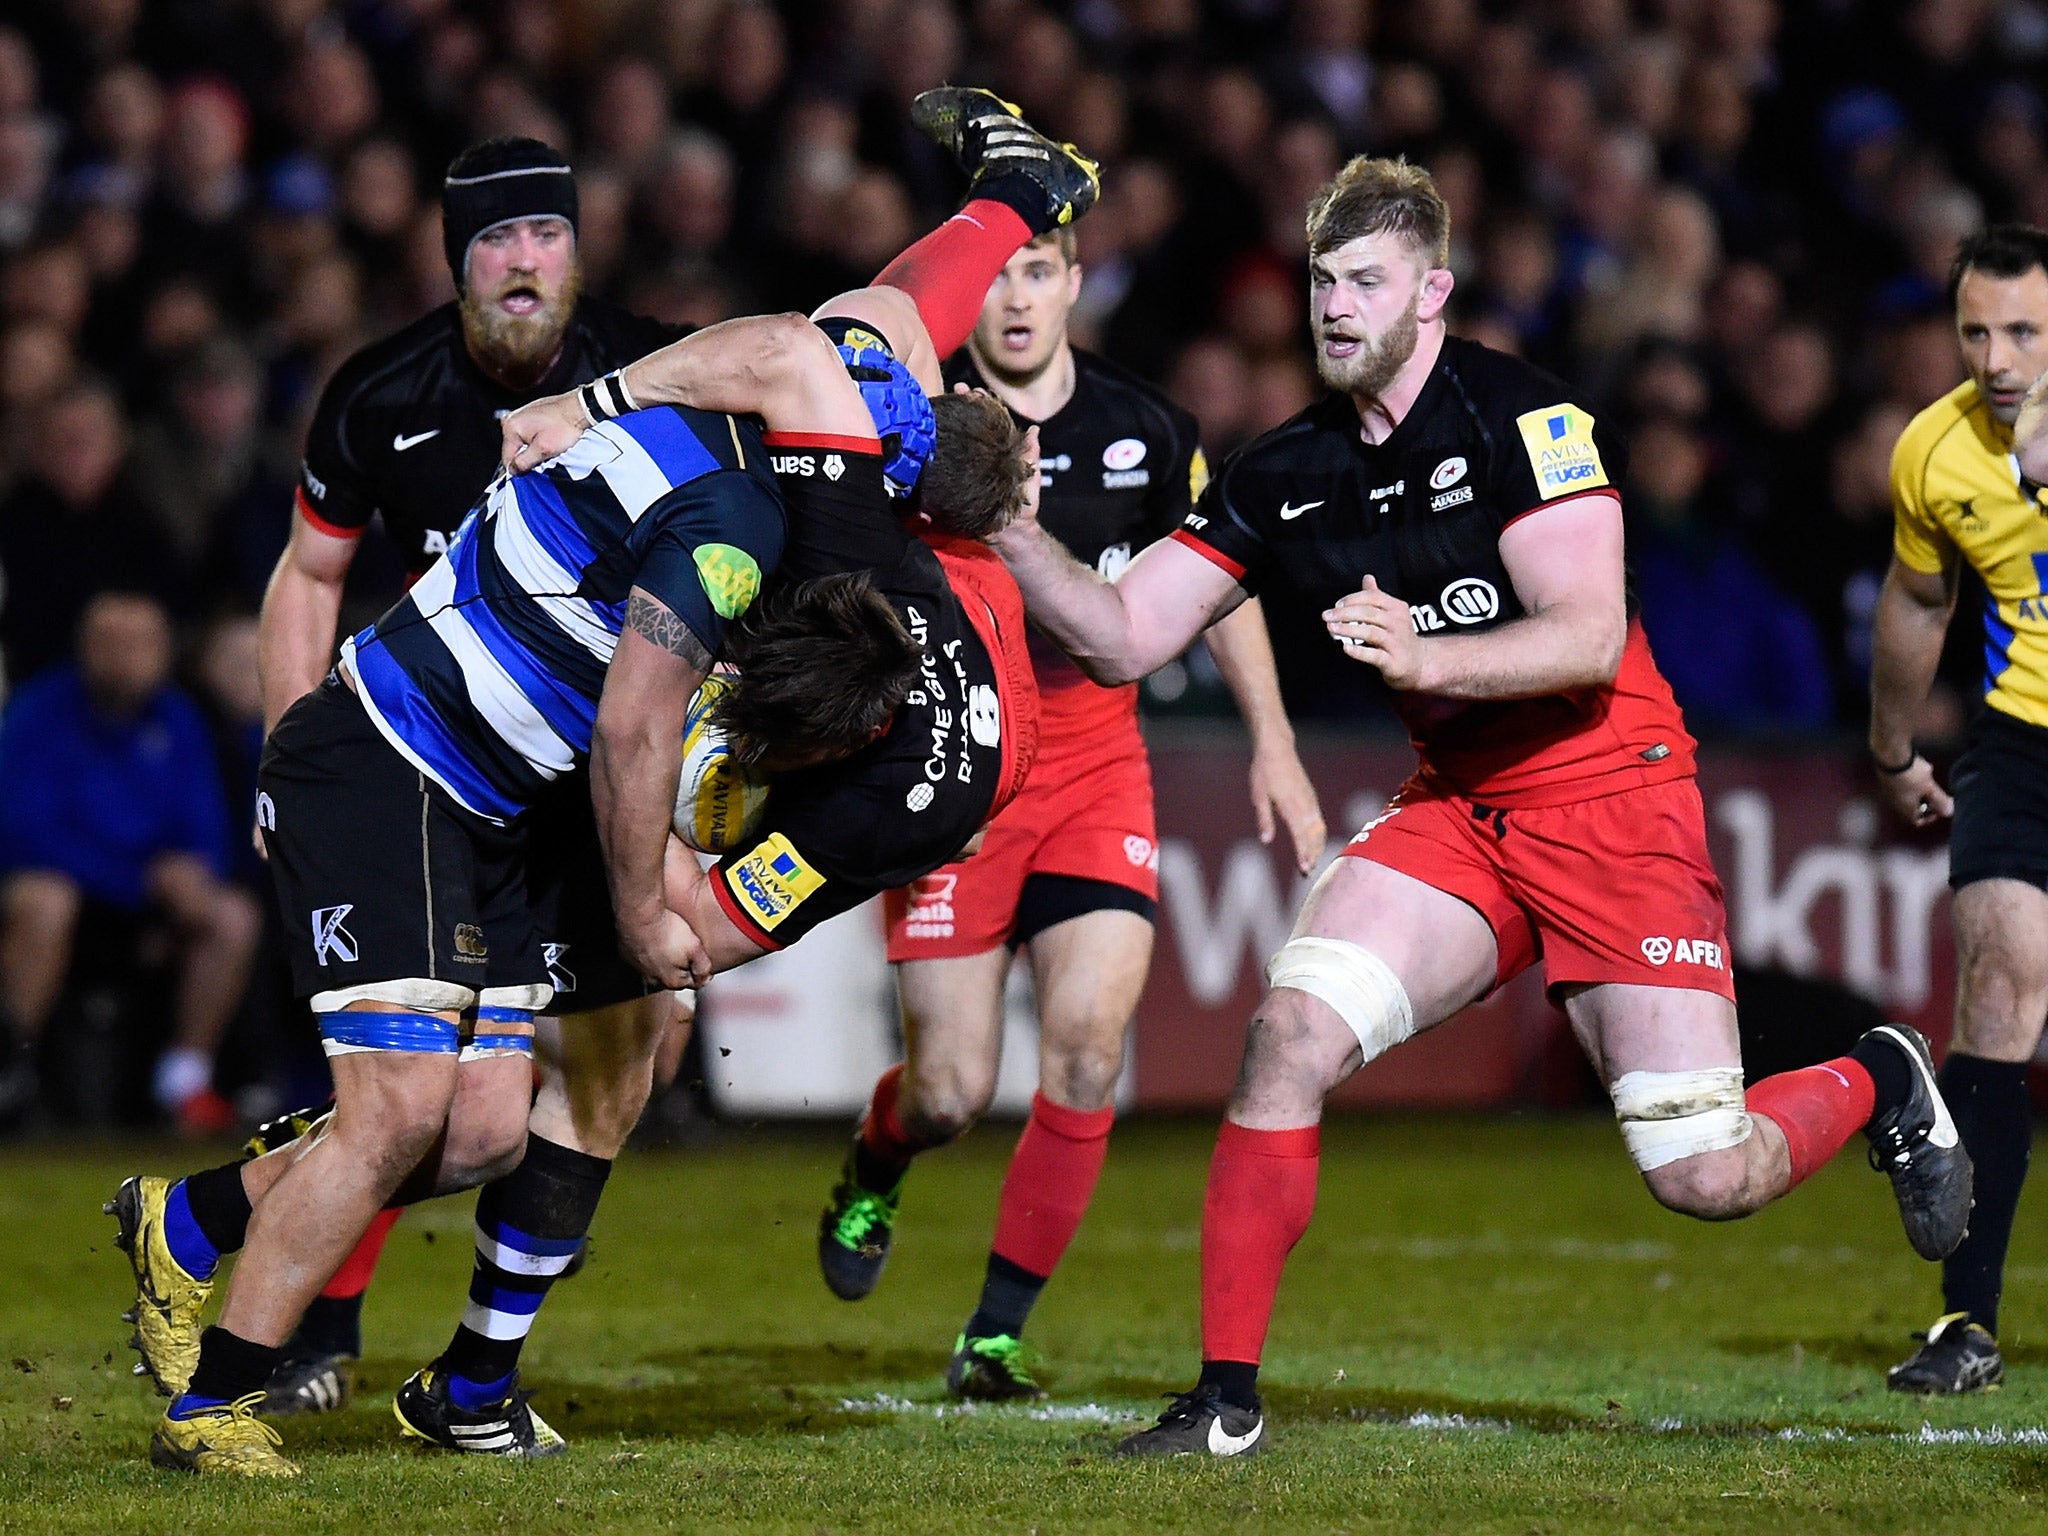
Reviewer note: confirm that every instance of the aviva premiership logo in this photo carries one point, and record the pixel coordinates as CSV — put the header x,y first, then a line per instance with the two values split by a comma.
x,y
1559,442
772,881
731,578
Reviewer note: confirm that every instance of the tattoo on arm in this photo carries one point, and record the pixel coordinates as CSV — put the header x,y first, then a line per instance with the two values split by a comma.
x,y
658,624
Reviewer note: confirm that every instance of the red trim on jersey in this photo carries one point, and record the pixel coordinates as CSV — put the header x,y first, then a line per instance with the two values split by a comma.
x,y
1215,557
868,445
319,523
740,918
1605,490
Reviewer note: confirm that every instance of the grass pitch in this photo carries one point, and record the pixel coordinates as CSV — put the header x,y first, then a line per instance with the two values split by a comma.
x,y
1489,1328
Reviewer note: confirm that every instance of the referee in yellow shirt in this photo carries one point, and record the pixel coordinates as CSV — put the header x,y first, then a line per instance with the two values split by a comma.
x,y
1958,495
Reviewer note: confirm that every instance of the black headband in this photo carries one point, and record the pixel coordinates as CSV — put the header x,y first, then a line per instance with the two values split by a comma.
x,y
500,182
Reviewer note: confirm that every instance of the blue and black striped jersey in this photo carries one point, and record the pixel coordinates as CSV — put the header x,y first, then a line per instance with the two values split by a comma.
x,y
486,675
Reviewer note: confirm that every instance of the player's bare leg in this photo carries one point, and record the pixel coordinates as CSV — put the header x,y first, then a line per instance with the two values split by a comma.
x,y
1667,1031
953,1041
1405,957
2001,999
1673,1065
1087,973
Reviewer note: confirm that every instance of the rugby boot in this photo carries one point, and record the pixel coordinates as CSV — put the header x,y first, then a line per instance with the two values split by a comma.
x,y
425,1411
1957,1356
1199,1423
313,1384
854,1233
1917,1145
168,1301
988,137
285,1128
227,1440
991,1370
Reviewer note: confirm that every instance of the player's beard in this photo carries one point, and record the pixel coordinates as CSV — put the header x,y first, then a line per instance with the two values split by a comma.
x,y
519,349
1366,374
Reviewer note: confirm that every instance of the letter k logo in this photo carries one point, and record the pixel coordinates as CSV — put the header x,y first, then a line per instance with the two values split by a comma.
x,y
330,938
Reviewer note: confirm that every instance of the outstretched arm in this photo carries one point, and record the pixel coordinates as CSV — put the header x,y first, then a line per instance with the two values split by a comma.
x,y
781,368
1120,631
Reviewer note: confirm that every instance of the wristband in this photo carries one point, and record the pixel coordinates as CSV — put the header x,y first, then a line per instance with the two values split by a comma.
x,y
606,397
1891,772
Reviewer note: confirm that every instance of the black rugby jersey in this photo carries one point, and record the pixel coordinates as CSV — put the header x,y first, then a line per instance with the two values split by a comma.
x,y
1119,466
408,426
1308,510
834,835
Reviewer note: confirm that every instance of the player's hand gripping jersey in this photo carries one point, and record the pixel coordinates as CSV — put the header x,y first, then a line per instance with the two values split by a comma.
x,y
1314,508
408,426
486,675
958,749
1956,488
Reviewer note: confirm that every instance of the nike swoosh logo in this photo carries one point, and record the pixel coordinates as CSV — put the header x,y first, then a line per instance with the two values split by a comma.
x,y
1287,512
402,442
1235,1445
1943,1132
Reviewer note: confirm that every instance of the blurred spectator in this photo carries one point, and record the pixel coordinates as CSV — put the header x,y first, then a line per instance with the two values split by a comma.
x,y
74,526
1739,654
111,817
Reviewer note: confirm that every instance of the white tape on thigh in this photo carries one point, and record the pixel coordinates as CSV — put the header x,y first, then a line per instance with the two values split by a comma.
x,y
534,998
1668,1116
418,992
1357,983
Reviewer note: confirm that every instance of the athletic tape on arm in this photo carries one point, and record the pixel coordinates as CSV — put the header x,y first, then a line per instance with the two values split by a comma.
x,y
1357,983
1669,1116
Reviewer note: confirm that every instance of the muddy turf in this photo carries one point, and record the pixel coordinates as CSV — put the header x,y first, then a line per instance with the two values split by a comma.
x,y
1490,1327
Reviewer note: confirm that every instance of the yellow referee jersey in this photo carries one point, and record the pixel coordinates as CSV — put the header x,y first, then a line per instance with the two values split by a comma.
x,y
1956,487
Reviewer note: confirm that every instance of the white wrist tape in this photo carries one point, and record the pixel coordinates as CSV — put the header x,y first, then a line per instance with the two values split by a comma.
x,y
1357,983
1669,1116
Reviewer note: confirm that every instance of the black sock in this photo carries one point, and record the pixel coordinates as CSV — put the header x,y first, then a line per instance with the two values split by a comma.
x,y
533,1219
1996,1121
874,1175
1022,196
1236,1380
231,1366
1008,1294
1889,1071
220,1206
333,1325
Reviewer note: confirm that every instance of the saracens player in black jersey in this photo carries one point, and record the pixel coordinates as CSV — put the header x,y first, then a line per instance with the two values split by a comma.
x,y
408,430
1452,515
1069,871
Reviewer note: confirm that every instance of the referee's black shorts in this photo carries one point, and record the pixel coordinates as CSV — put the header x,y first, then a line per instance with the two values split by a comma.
x,y
2000,786
380,875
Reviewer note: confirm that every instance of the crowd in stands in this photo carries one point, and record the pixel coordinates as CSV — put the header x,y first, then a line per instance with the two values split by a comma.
x,y
1726,222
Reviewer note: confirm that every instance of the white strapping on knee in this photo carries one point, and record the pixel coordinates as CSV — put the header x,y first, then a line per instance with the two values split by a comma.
x,y
1669,1116
1354,981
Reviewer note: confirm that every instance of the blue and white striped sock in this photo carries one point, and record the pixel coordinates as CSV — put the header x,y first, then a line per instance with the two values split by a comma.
x,y
529,1225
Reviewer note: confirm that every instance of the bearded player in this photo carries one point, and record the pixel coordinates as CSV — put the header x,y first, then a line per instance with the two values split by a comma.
x,y
1553,813
1069,873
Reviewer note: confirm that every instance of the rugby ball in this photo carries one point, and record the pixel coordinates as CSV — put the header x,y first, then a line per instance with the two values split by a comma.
x,y
717,805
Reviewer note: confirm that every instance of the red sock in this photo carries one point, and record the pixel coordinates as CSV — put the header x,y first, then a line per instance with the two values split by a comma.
x,y
881,1134
1051,1179
1818,1109
1262,1191
948,272
353,1278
